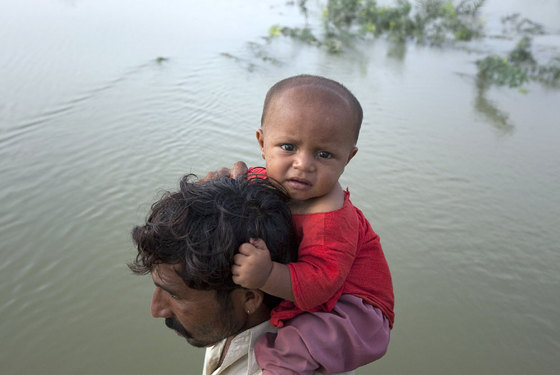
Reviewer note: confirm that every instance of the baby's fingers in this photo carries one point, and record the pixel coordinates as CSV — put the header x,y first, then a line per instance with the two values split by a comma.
x,y
239,169
237,279
237,274
258,243
246,249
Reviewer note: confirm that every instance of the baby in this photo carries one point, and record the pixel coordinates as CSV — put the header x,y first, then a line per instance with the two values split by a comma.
x,y
338,297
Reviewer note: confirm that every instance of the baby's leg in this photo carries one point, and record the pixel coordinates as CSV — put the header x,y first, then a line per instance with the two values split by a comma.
x,y
351,335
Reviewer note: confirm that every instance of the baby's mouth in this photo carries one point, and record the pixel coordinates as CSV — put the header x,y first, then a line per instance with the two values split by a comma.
x,y
298,184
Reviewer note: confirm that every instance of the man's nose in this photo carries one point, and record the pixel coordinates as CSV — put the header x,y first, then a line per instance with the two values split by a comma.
x,y
160,306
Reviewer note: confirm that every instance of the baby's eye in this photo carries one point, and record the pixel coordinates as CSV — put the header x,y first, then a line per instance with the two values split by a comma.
x,y
287,147
324,154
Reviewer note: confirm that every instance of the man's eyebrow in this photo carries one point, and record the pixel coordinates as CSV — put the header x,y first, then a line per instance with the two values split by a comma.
x,y
165,288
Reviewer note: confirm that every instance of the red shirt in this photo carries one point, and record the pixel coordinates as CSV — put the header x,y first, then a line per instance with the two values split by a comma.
x,y
339,253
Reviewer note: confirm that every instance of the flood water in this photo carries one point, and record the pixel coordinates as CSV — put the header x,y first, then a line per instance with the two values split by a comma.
x,y
463,188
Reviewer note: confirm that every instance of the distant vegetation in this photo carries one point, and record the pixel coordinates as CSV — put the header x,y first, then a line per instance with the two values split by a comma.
x,y
437,23
434,22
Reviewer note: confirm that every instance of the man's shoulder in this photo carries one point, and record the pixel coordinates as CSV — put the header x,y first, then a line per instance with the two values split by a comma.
x,y
239,358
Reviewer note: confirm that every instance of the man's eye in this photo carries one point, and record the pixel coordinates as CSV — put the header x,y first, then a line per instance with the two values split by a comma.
x,y
287,147
324,154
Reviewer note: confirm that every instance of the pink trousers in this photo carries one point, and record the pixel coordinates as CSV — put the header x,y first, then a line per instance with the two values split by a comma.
x,y
353,334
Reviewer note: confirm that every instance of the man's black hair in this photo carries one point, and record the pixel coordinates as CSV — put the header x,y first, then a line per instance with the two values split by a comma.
x,y
201,226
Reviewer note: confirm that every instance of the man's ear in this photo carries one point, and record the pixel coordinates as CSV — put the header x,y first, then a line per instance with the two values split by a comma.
x,y
253,300
260,139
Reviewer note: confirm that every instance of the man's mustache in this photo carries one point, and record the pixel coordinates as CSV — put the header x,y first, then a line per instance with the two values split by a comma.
x,y
175,325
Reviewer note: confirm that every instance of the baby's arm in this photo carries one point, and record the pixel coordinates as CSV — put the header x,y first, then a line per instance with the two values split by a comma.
x,y
326,253
252,268
311,281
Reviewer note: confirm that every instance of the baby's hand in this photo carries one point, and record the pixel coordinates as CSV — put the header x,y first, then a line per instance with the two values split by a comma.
x,y
239,168
252,265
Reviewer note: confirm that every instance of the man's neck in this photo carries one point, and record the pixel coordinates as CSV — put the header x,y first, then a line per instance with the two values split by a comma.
x,y
260,315
225,350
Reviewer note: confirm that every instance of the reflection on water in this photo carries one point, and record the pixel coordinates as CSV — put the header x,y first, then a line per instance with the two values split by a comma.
x,y
461,183
495,116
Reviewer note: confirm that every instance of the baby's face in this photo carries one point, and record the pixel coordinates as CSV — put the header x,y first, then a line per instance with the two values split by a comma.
x,y
307,138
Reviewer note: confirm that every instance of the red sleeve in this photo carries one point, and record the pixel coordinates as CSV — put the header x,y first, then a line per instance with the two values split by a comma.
x,y
326,254
256,172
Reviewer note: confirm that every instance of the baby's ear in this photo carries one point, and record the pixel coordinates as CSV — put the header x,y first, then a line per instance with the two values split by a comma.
x,y
260,139
352,154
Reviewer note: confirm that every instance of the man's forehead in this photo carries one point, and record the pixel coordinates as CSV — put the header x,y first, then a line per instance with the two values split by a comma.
x,y
166,274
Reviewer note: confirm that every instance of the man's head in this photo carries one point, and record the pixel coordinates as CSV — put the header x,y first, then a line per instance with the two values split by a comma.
x,y
188,244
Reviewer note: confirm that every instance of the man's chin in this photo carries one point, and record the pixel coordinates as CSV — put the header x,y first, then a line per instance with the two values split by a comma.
x,y
199,344
179,334
190,339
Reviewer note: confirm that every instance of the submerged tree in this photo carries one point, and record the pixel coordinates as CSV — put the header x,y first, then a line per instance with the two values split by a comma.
x,y
439,23
517,68
433,22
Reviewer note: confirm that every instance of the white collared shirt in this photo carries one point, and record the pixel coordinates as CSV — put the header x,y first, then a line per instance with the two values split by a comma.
x,y
240,358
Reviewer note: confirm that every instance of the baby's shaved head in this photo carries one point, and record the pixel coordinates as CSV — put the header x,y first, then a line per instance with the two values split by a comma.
x,y
318,83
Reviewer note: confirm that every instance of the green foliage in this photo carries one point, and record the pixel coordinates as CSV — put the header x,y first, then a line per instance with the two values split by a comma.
x,y
365,17
303,8
549,74
260,52
394,21
499,71
521,54
342,14
274,31
431,22
440,21
517,68
515,24
434,22
302,34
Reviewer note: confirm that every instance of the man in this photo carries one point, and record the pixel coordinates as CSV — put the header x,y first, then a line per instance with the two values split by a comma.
x,y
188,245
